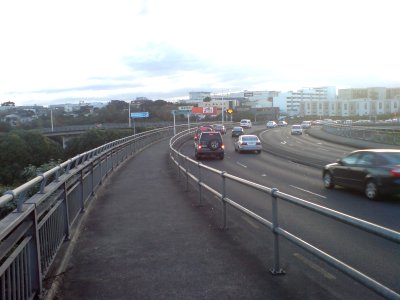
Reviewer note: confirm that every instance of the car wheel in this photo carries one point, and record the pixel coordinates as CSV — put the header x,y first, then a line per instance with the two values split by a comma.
x,y
328,180
213,144
371,190
197,156
221,157
258,151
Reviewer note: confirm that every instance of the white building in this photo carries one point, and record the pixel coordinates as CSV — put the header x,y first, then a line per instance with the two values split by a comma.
x,y
196,97
349,108
289,102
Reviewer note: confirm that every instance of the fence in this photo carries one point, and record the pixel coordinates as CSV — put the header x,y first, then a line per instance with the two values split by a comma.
x,y
389,135
194,172
47,209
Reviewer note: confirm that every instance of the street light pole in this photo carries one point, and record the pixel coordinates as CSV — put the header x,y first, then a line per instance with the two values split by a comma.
x,y
222,104
51,120
129,113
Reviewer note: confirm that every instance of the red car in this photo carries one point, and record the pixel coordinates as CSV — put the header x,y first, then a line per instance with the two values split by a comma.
x,y
200,130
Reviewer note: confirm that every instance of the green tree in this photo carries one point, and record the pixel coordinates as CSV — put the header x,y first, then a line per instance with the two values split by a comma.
x,y
5,127
14,156
207,99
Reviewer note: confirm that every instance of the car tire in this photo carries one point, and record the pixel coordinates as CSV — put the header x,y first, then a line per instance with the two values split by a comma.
x,y
328,180
221,156
258,151
371,190
213,145
197,156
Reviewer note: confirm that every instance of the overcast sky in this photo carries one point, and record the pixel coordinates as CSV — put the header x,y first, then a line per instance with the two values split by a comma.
x,y
64,51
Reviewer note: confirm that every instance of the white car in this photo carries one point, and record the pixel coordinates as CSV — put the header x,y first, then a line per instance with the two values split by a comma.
x,y
271,124
306,124
296,129
248,142
245,123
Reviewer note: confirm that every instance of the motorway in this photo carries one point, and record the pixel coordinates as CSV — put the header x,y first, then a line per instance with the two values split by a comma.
x,y
293,165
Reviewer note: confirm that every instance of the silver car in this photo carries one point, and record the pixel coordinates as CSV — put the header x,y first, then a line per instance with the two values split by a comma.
x,y
248,142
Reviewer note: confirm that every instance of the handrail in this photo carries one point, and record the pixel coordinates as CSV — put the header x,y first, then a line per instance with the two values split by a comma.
x,y
48,207
182,161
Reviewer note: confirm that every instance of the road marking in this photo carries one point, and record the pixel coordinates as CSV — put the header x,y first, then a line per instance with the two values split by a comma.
x,y
263,175
283,143
314,266
296,187
253,224
242,165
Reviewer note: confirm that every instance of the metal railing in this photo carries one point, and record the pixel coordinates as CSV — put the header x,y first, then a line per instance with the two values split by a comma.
x,y
389,135
49,205
194,172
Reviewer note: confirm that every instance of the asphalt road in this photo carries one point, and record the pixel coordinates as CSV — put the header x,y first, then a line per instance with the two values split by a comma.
x,y
146,237
286,164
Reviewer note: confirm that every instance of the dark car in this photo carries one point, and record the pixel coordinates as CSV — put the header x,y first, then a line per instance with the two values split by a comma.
x,y
200,130
376,172
220,128
237,131
209,144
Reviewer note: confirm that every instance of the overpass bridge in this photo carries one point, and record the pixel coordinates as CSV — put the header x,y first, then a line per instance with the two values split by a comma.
x,y
92,233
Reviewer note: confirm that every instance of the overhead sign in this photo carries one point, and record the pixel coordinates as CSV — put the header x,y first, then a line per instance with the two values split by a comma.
x,y
229,111
142,114
181,112
185,107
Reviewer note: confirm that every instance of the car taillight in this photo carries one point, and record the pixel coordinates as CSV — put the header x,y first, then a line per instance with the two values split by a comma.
x,y
243,143
222,146
395,172
199,146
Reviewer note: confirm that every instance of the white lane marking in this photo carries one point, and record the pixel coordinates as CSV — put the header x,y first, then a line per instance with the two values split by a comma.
x,y
242,165
283,143
263,175
296,187
314,266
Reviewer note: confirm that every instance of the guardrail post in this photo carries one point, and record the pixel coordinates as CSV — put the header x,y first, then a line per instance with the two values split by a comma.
x,y
187,174
276,270
82,195
223,195
200,193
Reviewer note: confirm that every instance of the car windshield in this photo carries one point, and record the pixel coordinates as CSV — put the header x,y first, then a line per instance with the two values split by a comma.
x,y
249,138
210,136
296,127
237,129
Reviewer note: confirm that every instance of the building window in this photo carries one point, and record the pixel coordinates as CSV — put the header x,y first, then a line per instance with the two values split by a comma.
x,y
365,105
394,104
380,105
345,106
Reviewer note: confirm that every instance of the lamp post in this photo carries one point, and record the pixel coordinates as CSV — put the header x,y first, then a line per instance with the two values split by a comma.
x,y
222,104
51,120
129,113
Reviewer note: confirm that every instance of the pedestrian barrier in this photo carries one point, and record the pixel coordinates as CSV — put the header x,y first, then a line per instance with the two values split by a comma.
x,y
196,173
48,207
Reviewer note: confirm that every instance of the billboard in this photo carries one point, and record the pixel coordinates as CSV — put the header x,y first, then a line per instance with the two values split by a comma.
x,y
204,110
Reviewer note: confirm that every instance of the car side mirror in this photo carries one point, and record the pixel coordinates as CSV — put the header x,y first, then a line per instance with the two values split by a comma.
x,y
339,161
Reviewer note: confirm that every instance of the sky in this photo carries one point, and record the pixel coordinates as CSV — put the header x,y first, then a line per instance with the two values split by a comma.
x,y
58,51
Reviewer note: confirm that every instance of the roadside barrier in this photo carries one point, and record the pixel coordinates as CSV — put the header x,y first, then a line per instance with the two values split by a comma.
x,y
196,173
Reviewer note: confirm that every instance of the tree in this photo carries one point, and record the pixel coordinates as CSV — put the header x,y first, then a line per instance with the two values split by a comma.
x,y
207,99
8,103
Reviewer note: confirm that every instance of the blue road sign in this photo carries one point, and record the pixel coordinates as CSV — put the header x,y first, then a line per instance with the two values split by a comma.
x,y
181,112
144,114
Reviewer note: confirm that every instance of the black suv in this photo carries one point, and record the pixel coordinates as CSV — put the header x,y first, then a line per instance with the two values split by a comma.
x,y
209,144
